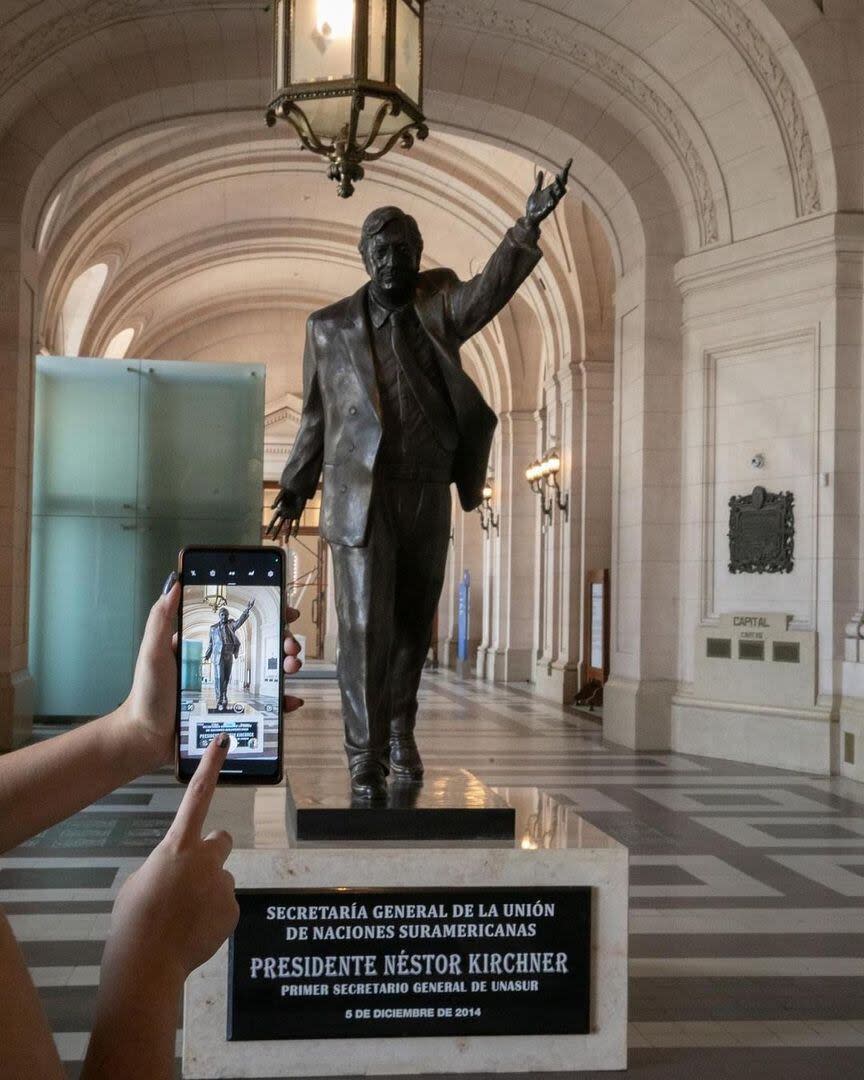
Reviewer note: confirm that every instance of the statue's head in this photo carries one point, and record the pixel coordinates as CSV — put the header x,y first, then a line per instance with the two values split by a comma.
x,y
223,615
391,246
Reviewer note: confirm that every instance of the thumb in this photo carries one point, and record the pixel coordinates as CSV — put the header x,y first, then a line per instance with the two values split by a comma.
x,y
539,185
162,619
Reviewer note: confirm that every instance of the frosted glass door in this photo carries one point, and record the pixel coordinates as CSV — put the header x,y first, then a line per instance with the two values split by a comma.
x,y
85,442
201,440
133,460
81,594
201,447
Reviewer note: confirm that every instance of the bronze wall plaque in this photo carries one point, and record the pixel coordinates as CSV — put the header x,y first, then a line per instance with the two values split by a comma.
x,y
761,532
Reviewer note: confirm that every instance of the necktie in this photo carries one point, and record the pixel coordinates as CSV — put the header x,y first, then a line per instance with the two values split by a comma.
x,y
406,348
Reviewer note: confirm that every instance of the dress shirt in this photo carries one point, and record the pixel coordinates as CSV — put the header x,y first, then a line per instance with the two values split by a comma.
x,y
418,422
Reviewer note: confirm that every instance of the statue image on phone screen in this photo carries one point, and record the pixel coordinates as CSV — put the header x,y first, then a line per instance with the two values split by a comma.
x,y
223,650
228,681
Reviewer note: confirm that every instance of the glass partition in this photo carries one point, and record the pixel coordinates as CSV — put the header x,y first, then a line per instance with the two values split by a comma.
x,y
133,460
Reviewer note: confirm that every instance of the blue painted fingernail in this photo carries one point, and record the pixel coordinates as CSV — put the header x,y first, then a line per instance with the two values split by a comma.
x,y
169,583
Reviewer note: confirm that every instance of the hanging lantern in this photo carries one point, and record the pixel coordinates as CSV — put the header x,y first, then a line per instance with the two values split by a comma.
x,y
348,76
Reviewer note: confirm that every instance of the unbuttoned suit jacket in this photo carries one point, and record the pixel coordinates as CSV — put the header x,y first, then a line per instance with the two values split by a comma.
x,y
340,428
216,645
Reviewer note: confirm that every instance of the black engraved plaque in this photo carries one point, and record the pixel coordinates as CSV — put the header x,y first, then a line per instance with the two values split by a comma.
x,y
354,963
761,532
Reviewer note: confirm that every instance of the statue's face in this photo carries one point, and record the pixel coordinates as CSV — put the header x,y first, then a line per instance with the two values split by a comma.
x,y
392,260
223,615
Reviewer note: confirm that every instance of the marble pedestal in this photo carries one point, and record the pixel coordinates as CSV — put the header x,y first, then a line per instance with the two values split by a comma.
x,y
554,847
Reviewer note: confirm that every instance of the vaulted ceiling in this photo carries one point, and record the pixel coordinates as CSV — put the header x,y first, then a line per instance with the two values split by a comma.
x,y
131,135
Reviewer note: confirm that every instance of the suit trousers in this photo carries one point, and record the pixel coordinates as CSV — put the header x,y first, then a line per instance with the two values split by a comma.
x,y
387,594
222,666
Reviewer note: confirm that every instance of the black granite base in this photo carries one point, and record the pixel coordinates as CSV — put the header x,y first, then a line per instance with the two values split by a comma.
x,y
449,805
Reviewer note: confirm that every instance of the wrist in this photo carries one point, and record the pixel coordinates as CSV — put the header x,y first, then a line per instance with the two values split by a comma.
x,y
526,229
141,971
145,749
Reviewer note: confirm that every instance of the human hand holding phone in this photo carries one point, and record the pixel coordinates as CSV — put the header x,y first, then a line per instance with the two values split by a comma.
x,y
233,612
149,712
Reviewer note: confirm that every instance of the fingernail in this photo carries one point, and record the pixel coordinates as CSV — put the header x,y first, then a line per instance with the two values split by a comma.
x,y
169,583
223,740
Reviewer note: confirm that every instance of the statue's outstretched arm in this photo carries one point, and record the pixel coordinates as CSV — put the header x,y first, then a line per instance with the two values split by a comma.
x,y
473,303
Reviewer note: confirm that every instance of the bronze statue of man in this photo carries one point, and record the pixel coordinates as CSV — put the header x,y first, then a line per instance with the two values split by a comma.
x,y
224,647
392,420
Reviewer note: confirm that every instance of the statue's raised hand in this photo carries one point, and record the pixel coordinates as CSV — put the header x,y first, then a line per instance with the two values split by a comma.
x,y
542,201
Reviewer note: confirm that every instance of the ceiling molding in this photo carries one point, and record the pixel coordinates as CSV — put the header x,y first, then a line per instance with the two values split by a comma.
x,y
777,87
614,74
60,32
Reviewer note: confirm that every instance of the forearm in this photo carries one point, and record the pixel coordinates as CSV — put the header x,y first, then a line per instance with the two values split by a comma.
x,y
28,1051
145,1007
473,303
47,782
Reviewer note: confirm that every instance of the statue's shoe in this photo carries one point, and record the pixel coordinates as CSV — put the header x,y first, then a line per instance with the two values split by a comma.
x,y
369,782
405,760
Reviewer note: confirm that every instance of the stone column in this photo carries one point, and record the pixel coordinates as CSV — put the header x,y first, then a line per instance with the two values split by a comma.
x,y
18,320
509,657
487,587
557,670
596,515
637,701
469,556
448,605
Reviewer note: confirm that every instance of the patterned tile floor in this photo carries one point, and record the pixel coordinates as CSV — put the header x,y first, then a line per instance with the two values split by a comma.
x,y
747,884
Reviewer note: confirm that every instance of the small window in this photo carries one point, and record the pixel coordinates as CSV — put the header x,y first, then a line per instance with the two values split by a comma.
x,y
118,345
78,305
848,748
48,218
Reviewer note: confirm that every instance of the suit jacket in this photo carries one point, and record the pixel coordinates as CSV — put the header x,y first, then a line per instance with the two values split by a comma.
x,y
232,644
340,428
216,644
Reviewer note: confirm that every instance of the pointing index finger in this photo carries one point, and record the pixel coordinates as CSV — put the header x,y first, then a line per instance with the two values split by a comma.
x,y
189,820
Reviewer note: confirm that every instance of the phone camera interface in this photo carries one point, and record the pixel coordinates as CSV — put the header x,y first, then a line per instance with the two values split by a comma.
x,y
229,657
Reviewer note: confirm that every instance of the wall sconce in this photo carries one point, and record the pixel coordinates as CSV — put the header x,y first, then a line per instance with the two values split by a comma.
x,y
488,518
542,476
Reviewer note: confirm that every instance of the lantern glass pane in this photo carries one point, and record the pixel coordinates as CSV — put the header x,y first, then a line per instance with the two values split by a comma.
x,y
408,50
329,116
377,40
322,42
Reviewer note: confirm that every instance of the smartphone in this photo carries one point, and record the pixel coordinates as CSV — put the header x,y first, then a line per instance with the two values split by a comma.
x,y
229,660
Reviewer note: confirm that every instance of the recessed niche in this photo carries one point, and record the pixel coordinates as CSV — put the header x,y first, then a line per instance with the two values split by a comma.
x,y
751,650
718,648
787,652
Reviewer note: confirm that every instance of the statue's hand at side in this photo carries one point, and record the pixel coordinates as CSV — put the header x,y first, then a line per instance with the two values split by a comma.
x,y
289,509
542,201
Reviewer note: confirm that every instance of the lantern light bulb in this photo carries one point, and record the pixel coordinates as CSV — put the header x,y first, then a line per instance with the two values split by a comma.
x,y
334,18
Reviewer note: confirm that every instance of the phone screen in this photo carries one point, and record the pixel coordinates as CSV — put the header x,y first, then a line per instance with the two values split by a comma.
x,y
230,660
